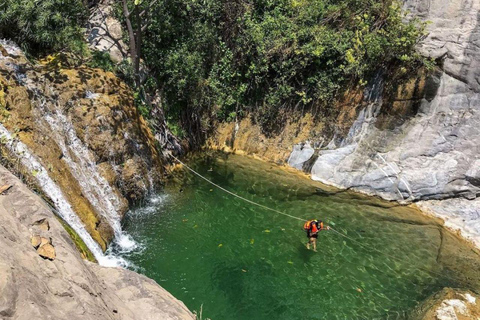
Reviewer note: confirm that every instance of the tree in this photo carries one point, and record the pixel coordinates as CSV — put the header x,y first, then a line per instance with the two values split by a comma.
x,y
136,20
41,27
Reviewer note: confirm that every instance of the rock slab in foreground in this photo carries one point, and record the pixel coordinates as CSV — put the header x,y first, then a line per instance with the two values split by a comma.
x,y
449,304
68,287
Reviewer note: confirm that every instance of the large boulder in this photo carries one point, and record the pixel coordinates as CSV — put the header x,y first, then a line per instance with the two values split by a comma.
x,y
34,286
105,32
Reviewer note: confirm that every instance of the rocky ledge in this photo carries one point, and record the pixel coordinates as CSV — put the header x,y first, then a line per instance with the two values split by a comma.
x,y
44,277
449,304
415,141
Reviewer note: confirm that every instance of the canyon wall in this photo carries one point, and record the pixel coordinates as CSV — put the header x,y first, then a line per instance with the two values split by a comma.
x,y
418,142
51,280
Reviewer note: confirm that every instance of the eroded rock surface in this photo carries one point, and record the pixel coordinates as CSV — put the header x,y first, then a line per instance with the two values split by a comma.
x,y
81,127
67,287
420,141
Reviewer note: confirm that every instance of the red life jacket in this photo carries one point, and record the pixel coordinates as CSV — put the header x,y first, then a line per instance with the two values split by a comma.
x,y
312,226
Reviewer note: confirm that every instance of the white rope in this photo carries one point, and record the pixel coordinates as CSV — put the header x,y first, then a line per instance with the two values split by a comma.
x,y
297,218
234,194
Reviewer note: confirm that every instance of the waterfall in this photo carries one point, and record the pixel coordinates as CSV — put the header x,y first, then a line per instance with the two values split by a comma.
x,y
76,155
79,159
367,116
83,167
51,189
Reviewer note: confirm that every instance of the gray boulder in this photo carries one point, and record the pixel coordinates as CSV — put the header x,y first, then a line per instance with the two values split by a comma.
x,y
67,287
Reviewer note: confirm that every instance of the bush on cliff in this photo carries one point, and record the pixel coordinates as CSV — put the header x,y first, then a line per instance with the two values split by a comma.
x,y
271,55
45,26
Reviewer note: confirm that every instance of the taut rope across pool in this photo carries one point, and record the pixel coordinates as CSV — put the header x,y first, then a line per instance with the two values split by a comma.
x,y
291,216
234,194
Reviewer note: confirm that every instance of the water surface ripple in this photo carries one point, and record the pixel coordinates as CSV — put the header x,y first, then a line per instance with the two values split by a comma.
x,y
237,261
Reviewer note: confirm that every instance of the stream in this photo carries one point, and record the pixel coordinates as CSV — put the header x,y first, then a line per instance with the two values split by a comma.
x,y
231,260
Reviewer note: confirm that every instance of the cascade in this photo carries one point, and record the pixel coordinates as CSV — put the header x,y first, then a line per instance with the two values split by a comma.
x,y
76,155
51,189
83,167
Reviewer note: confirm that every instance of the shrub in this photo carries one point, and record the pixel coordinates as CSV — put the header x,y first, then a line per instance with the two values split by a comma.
x,y
43,26
265,55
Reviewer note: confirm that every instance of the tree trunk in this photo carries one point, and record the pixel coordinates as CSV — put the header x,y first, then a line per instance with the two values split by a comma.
x,y
132,43
136,66
167,141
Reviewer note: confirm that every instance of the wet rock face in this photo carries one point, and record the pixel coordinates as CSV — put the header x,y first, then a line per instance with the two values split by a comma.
x,y
417,141
81,125
448,304
34,284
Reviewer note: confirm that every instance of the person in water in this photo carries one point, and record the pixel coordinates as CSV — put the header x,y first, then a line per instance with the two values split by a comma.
x,y
313,227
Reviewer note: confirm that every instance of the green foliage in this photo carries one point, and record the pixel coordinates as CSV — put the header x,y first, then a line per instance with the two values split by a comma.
x,y
102,61
266,56
141,105
43,26
175,129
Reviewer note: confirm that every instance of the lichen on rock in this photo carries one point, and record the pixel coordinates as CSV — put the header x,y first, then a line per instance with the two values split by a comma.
x,y
82,126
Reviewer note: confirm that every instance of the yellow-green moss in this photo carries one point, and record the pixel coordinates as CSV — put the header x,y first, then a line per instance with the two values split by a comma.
x,y
81,246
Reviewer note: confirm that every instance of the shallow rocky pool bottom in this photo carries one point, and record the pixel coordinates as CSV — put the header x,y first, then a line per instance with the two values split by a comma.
x,y
232,260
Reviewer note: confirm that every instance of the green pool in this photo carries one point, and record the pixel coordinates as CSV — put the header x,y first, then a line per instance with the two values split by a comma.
x,y
236,261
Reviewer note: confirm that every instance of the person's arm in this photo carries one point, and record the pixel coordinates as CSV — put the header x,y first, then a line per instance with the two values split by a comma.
x,y
323,227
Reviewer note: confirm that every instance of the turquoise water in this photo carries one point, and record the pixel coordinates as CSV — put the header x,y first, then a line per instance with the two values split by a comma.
x,y
237,261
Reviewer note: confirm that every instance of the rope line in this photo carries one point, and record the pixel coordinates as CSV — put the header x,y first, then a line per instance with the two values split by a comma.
x,y
236,195
300,219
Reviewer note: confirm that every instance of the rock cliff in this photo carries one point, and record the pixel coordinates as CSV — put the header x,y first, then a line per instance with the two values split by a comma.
x,y
75,133
414,141
64,286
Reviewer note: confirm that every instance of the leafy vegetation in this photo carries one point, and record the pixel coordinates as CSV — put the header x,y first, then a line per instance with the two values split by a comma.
x,y
225,58
102,61
234,56
44,26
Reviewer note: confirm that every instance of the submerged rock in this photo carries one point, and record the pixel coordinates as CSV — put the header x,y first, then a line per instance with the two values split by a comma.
x,y
449,304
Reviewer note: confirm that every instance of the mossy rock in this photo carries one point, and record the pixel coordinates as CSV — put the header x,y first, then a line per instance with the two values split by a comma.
x,y
81,246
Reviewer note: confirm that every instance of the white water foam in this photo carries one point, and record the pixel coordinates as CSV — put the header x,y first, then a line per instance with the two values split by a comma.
x,y
29,161
150,206
83,167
